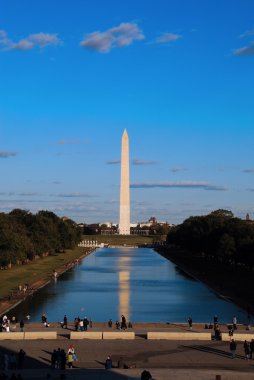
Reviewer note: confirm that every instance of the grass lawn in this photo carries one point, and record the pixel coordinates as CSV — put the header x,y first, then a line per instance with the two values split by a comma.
x,y
122,239
40,269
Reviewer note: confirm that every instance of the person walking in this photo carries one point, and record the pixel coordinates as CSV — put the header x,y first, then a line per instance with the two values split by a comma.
x,y
81,325
21,358
234,321
215,321
21,325
108,363
65,322
251,348
246,348
85,323
232,347
123,323
70,359
190,323
71,349
146,375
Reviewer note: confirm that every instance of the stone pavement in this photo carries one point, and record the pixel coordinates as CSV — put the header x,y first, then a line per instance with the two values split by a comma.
x,y
134,374
178,360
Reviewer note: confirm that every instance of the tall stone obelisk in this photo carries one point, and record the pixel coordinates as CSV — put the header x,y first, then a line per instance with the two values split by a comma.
x,y
124,223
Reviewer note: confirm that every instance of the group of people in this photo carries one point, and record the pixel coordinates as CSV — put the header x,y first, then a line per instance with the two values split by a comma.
x,y
248,348
59,358
82,324
12,361
120,325
145,375
7,325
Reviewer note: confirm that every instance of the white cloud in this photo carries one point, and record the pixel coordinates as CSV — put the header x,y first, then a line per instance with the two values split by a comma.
x,y
21,45
168,37
44,39
178,184
245,50
40,40
122,35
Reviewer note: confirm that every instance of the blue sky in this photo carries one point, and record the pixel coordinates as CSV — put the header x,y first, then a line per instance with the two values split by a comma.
x,y
177,74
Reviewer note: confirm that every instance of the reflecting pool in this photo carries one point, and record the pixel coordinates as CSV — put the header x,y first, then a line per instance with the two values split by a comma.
x,y
136,282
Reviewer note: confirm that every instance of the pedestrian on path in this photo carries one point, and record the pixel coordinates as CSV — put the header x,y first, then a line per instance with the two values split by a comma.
x,y
246,348
190,323
234,323
145,375
21,358
251,348
65,322
232,347
108,363
21,325
70,359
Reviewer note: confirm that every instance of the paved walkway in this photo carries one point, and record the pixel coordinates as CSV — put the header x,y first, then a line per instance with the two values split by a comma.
x,y
134,374
164,359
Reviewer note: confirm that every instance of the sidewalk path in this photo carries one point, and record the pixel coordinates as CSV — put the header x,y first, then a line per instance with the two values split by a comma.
x,y
164,359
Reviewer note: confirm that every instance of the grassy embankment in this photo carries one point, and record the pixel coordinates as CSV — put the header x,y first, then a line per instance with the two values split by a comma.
x,y
130,240
38,270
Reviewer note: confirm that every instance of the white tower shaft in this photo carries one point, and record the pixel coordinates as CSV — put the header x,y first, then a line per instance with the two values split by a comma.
x,y
124,224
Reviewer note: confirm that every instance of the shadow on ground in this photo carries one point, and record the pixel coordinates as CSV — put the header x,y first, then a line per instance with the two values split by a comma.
x,y
212,350
40,369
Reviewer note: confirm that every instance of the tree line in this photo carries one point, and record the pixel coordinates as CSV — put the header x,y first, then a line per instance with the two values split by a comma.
x,y
25,236
218,235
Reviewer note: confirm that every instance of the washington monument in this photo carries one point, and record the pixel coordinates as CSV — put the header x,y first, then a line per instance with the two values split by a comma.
x,y
124,223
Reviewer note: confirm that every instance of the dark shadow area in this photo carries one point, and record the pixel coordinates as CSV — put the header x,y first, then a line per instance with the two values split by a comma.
x,y
213,350
141,336
40,369
143,357
65,336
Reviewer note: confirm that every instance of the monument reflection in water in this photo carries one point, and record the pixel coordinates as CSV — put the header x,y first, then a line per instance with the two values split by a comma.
x,y
124,288
136,282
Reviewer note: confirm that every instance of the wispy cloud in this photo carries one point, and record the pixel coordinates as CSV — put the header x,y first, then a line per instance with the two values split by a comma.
x,y
27,194
56,183
23,194
122,35
178,184
40,40
248,49
177,169
167,37
249,170
247,33
6,154
69,142
74,195
245,50
144,162
113,162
